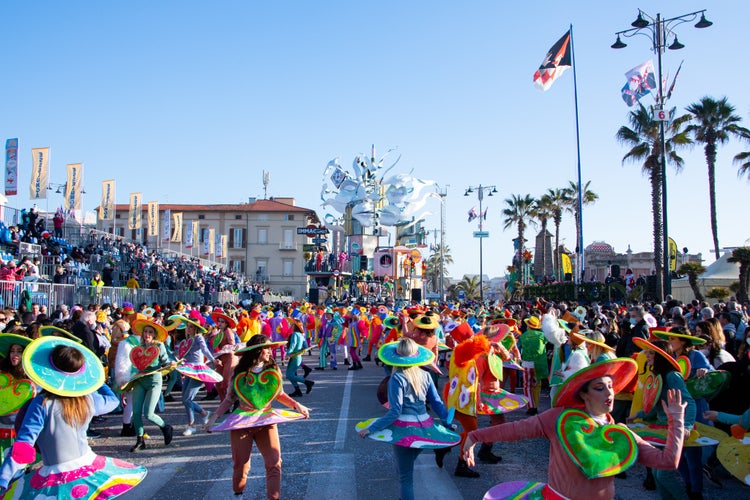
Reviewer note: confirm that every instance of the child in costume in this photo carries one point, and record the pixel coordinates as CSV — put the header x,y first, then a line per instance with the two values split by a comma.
x,y
55,422
256,384
583,464
150,359
13,378
407,425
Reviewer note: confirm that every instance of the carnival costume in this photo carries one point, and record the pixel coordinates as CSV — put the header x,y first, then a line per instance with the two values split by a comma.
x,y
14,392
70,468
296,347
534,361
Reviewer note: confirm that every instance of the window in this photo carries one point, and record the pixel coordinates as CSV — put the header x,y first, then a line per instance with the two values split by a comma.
x,y
237,238
262,236
288,241
238,217
263,217
288,269
237,266
117,216
288,216
201,217
261,273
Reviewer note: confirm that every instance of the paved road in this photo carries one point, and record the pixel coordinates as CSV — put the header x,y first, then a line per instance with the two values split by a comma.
x,y
325,459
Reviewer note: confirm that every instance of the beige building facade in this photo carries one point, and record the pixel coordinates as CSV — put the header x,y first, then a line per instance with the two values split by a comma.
x,y
261,238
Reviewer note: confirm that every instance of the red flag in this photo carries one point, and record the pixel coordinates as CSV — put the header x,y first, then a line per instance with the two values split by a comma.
x,y
557,60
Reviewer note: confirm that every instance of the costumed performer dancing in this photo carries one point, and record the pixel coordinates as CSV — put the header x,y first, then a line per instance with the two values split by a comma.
x,y
407,425
583,463
55,422
14,379
256,384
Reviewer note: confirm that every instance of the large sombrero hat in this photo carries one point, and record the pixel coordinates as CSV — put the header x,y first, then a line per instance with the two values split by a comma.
x,y
37,363
495,333
621,370
174,322
261,346
581,336
181,322
426,321
645,345
665,335
388,355
54,331
216,315
140,324
9,339
392,322
533,323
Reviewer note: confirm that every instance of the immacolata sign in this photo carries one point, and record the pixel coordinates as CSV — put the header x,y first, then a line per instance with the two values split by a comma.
x,y
312,230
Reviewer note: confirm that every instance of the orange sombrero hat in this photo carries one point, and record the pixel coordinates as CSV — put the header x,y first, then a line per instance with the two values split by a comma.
x,y
645,344
621,370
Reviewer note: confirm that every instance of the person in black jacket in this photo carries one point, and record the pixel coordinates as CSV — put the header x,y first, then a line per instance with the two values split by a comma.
x,y
84,330
638,328
108,274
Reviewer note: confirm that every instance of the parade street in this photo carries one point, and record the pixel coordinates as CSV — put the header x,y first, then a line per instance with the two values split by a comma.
x,y
324,458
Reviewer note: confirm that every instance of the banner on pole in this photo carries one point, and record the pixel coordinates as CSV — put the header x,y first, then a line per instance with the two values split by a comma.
x,y
212,241
166,230
11,167
134,214
206,242
39,173
153,219
177,227
107,205
73,186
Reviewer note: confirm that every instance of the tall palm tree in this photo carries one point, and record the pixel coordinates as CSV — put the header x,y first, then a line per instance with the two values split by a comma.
x,y
518,212
543,211
642,136
470,286
742,256
692,270
558,199
587,198
714,123
433,265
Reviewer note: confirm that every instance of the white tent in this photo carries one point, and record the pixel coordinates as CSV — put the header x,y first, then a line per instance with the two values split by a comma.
x,y
719,274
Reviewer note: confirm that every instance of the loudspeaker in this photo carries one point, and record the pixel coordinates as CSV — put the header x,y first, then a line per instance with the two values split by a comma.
x,y
382,263
314,296
615,271
363,262
651,285
416,295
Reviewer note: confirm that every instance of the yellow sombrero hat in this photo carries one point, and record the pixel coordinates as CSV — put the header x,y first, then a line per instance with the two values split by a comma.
x,y
161,332
666,334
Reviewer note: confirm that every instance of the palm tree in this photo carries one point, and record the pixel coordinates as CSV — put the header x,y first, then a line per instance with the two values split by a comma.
x,y
742,256
543,211
433,266
644,140
558,199
587,198
519,213
470,286
692,270
714,123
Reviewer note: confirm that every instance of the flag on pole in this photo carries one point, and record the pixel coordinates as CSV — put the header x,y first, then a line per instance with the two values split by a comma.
x,y
189,235
557,60
73,187
39,173
11,167
195,232
107,205
167,226
641,81
153,219
671,87
484,214
206,242
134,214
472,214
177,227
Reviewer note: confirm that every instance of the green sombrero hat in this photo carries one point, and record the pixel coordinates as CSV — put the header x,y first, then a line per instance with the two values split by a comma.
x,y
54,331
38,365
9,339
181,322
666,334
388,355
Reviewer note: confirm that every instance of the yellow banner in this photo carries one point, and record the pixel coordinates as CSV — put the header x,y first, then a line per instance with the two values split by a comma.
x,y
224,245
672,254
211,241
566,264
73,186
107,205
39,173
177,227
153,218
134,214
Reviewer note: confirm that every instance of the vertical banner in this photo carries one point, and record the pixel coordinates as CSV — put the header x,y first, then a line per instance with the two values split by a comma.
x,y
134,214
672,254
11,167
212,241
219,248
224,245
167,226
189,235
194,232
177,227
153,219
206,242
39,173
107,205
73,187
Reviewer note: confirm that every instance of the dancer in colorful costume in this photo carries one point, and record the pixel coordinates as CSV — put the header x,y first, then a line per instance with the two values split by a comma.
x,y
296,347
55,422
534,362
407,425
15,385
586,448
223,345
256,384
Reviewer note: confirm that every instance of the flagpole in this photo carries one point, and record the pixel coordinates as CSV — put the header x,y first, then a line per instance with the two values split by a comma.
x,y
580,270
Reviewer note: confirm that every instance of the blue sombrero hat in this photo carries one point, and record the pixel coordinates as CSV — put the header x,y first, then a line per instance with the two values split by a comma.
x,y
37,363
54,331
388,355
9,339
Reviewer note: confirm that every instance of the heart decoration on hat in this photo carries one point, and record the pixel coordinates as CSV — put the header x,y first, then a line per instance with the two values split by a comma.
x,y
685,367
258,389
183,347
142,357
651,391
14,393
597,450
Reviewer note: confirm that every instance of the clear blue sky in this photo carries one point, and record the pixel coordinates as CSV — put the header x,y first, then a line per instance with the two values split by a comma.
x,y
187,102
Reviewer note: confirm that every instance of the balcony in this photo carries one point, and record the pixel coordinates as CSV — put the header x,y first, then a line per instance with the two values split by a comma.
x,y
290,246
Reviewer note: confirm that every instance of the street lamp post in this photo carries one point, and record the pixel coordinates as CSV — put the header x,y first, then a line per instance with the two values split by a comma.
x,y
491,190
660,31
442,193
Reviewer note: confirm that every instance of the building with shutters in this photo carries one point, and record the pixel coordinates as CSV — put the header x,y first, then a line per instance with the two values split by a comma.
x,y
261,237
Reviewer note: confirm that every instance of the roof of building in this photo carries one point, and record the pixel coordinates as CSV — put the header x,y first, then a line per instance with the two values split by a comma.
x,y
270,205
600,247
